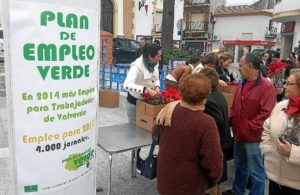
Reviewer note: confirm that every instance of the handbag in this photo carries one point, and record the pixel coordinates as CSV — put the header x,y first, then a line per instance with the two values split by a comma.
x,y
149,165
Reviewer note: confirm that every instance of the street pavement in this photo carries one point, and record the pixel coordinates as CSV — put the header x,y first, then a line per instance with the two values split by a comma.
x,y
122,183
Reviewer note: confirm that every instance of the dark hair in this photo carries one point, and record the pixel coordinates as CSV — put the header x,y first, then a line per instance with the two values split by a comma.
x,y
194,88
299,58
150,49
210,58
264,53
212,75
194,60
143,38
254,60
293,54
157,42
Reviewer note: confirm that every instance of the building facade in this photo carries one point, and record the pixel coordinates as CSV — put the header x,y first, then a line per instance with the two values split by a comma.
x,y
244,28
200,21
287,12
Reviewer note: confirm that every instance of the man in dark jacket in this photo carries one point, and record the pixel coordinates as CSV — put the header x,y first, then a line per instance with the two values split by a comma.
x,y
217,107
252,105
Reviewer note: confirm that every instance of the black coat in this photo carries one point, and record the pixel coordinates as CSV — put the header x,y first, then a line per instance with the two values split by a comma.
x,y
217,107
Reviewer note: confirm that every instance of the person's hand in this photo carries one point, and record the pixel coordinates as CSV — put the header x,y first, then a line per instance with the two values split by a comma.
x,y
222,83
151,92
284,147
234,75
278,91
157,89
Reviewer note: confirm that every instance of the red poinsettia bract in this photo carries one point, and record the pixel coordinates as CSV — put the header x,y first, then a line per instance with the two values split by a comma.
x,y
276,67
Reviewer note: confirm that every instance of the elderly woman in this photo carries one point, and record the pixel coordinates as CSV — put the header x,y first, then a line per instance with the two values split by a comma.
x,y
185,161
280,144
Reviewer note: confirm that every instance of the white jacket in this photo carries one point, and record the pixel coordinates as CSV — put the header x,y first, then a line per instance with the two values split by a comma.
x,y
280,169
139,77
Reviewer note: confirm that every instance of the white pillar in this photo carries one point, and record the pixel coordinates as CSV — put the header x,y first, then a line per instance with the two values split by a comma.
x,y
120,18
236,53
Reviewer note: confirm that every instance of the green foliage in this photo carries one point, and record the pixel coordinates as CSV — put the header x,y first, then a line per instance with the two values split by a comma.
x,y
179,54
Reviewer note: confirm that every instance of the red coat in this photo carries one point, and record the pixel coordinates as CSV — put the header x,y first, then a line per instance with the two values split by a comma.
x,y
248,113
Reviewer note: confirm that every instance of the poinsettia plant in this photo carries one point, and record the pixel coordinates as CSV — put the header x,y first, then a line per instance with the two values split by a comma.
x,y
276,73
169,95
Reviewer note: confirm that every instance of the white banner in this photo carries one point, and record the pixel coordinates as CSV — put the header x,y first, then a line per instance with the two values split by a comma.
x,y
53,58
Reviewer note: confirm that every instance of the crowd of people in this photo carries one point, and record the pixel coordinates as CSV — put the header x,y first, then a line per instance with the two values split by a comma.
x,y
196,132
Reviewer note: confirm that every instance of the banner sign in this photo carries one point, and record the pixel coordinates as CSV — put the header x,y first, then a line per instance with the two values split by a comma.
x,y
53,59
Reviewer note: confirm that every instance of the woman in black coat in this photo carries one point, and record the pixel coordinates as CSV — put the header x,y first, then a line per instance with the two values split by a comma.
x,y
217,107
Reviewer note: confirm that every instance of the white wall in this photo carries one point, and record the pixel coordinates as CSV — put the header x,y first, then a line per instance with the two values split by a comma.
x,y
216,3
143,24
286,5
296,34
231,28
120,18
178,14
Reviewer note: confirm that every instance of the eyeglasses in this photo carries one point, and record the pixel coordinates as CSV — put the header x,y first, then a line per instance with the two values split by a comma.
x,y
289,83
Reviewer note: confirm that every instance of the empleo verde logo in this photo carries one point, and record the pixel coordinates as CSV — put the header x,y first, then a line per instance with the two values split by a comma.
x,y
74,161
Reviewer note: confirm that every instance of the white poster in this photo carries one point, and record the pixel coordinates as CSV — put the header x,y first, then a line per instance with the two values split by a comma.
x,y
53,58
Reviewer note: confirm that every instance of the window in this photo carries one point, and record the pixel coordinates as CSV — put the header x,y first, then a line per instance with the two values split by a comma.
x,y
122,43
134,44
158,21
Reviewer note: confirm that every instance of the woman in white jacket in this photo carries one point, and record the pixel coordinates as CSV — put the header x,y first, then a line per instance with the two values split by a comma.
x,y
142,77
280,142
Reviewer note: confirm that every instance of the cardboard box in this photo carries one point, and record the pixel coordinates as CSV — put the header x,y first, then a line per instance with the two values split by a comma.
x,y
140,107
153,110
148,109
146,114
229,98
144,121
109,98
229,89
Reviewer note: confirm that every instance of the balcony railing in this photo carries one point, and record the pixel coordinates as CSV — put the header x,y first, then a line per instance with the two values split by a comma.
x,y
196,2
197,26
271,33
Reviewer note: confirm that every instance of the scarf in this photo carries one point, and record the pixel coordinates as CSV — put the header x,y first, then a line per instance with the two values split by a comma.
x,y
149,66
293,106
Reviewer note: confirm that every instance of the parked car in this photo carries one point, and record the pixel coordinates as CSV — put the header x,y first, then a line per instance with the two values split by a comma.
x,y
125,50
1,45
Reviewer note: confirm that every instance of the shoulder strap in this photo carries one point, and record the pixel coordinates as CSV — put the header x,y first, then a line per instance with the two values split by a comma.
x,y
155,141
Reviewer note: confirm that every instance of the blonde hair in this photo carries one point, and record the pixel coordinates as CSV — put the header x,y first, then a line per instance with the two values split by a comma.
x,y
296,73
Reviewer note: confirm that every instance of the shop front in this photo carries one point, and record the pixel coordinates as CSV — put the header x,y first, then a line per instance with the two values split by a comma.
x,y
238,48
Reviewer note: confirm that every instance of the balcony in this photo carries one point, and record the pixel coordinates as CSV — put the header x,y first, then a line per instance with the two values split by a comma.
x,y
197,26
188,3
271,33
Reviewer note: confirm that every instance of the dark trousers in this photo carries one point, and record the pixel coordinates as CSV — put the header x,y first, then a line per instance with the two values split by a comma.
x,y
275,189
